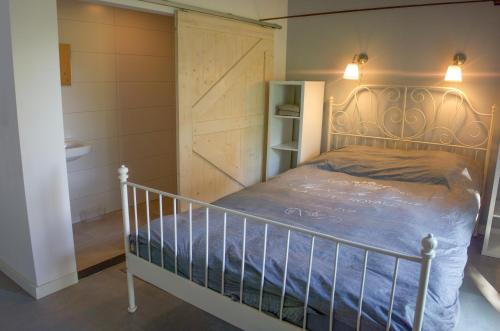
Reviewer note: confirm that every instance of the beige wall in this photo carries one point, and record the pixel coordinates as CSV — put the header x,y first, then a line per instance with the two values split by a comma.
x,y
256,9
121,101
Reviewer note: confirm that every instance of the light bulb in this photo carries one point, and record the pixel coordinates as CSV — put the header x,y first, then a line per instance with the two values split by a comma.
x,y
453,74
351,71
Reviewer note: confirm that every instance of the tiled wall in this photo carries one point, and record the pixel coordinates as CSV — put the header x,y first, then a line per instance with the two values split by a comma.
x,y
121,101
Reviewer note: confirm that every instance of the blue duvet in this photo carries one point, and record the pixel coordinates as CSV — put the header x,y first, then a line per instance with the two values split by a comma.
x,y
389,199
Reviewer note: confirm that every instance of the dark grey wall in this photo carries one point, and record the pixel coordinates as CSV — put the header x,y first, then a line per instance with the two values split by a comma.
x,y
405,46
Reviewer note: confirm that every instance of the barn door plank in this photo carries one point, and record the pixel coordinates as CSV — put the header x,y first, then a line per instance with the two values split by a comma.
x,y
222,71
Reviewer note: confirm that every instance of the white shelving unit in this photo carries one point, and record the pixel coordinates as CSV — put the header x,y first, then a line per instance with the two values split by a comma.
x,y
292,140
491,244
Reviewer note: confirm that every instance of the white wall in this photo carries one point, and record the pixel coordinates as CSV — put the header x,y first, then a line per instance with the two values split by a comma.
x,y
40,132
121,101
16,255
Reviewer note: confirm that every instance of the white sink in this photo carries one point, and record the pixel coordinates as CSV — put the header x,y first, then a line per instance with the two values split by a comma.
x,y
75,149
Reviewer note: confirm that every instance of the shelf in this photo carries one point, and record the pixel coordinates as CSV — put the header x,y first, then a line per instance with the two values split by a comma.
x,y
288,117
289,146
304,101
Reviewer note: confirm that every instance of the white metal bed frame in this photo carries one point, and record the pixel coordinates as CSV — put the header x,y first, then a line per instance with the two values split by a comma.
x,y
411,117
349,112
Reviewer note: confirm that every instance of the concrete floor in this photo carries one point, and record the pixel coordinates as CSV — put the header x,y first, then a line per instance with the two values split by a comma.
x,y
476,313
479,294
99,302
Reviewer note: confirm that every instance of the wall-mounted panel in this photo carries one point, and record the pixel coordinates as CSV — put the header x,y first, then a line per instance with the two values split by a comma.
x,y
65,64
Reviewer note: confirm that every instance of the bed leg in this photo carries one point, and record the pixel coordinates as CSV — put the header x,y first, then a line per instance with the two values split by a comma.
x,y
428,252
131,293
123,176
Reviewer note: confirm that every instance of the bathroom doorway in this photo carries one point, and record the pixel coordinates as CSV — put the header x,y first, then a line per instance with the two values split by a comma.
x,y
119,107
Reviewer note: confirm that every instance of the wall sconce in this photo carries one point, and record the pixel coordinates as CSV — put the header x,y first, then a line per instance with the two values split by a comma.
x,y
454,72
352,69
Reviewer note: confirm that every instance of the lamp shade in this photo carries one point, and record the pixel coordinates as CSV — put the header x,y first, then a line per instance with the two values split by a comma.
x,y
453,74
351,71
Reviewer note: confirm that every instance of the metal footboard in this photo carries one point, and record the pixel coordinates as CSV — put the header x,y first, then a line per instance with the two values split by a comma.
x,y
429,244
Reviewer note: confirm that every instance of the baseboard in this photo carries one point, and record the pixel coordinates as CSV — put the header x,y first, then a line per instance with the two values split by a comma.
x,y
56,285
18,278
31,288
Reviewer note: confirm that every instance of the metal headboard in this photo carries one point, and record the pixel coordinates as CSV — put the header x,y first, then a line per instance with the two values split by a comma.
x,y
412,117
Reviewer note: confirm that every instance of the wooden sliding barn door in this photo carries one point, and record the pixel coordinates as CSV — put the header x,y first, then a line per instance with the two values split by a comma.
x,y
222,69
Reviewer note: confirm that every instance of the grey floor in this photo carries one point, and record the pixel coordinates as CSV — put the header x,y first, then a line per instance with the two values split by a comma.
x,y
99,302
479,294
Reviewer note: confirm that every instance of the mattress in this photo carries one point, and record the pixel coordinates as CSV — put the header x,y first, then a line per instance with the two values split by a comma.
x,y
389,199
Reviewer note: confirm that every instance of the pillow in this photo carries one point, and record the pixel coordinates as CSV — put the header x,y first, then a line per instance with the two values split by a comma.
x,y
432,167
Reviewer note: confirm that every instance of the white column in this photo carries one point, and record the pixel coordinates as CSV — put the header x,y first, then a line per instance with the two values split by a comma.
x,y
37,111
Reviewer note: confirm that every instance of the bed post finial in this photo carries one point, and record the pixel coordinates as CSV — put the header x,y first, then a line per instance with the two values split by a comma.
x,y
123,174
429,245
329,130
428,252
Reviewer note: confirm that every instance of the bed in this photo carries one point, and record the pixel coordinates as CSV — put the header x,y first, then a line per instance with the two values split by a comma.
x,y
337,242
